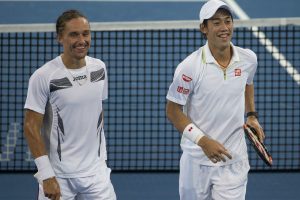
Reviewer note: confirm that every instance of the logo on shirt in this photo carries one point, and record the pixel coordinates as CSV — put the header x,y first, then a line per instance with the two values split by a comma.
x,y
182,90
237,72
186,78
78,78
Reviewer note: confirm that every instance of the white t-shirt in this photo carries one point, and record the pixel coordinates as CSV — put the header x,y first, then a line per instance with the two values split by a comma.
x,y
71,101
214,99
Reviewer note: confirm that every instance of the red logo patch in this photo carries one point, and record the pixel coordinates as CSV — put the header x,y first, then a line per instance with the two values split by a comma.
x,y
237,72
182,90
186,78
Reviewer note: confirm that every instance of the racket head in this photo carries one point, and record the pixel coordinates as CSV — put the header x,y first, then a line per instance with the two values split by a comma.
x,y
259,147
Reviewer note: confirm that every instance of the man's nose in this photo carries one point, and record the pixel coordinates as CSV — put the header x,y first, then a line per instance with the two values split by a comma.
x,y
224,26
81,38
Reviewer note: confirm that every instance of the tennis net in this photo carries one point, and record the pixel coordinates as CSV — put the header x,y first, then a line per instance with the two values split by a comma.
x,y
141,58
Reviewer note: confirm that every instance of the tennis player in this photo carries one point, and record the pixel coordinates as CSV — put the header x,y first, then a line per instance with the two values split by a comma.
x,y
64,118
211,90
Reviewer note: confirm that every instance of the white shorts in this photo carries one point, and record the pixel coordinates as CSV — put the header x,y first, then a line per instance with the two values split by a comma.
x,y
201,182
97,187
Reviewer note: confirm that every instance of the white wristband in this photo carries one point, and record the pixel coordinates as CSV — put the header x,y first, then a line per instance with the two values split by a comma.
x,y
44,167
193,133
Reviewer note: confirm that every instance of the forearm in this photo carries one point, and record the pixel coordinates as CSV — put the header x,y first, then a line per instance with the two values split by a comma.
x,y
252,118
32,127
249,99
35,144
176,116
182,123
212,149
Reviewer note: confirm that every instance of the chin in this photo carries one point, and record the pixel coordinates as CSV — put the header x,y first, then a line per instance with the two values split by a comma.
x,y
80,56
225,46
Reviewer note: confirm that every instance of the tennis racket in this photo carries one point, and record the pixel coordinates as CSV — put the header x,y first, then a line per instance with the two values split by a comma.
x,y
259,147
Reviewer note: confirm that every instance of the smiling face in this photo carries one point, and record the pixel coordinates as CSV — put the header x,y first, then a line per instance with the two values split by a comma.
x,y
218,30
76,39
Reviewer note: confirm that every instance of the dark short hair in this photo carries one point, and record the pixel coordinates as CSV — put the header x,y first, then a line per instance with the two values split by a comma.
x,y
66,16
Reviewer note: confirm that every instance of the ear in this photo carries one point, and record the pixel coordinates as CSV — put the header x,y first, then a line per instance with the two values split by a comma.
x,y
203,28
59,39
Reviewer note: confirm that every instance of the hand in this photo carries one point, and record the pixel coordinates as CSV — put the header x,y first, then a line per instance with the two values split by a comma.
x,y
51,189
215,151
252,121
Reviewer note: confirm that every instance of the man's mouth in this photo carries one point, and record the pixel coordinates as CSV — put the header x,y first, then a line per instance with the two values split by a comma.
x,y
81,46
224,35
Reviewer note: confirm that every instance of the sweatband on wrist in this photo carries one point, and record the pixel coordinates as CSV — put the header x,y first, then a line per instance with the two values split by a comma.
x,y
44,167
254,113
193,133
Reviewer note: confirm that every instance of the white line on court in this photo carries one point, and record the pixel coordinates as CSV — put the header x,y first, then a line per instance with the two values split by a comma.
x,y
287,65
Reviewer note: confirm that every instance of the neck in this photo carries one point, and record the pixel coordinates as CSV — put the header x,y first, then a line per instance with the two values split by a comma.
x,y
222,56
73,63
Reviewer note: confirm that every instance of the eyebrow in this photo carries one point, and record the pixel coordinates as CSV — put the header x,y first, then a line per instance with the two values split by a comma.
x,y
77,31
220,18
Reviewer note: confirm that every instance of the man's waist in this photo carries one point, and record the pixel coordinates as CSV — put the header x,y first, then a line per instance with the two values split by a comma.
x,y
83,169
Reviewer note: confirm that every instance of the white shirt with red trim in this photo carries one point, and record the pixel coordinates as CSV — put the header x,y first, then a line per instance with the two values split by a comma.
x,y
214,99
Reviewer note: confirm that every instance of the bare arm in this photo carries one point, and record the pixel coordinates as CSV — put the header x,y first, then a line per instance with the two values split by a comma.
x,y
212,149
250,107
32,127
176,116
249,98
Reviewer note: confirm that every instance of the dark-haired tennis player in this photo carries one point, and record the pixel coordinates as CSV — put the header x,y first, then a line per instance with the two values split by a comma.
x,y
211,90
64,118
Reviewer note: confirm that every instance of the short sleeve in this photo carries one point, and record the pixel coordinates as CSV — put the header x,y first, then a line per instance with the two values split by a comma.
x,y
182,85
186,77
37,94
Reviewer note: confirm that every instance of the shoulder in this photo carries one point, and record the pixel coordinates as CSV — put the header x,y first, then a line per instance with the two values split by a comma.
x,y
95,62
46,70
191,62
190,68
193,58
247,54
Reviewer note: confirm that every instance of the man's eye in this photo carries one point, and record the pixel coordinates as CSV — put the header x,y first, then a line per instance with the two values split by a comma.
x,y
73,34
85,34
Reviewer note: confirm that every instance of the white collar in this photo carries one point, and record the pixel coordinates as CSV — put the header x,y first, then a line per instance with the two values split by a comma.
x,y
208,57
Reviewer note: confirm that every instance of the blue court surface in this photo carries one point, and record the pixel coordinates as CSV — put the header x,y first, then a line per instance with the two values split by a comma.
x,y
146,186
160,186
